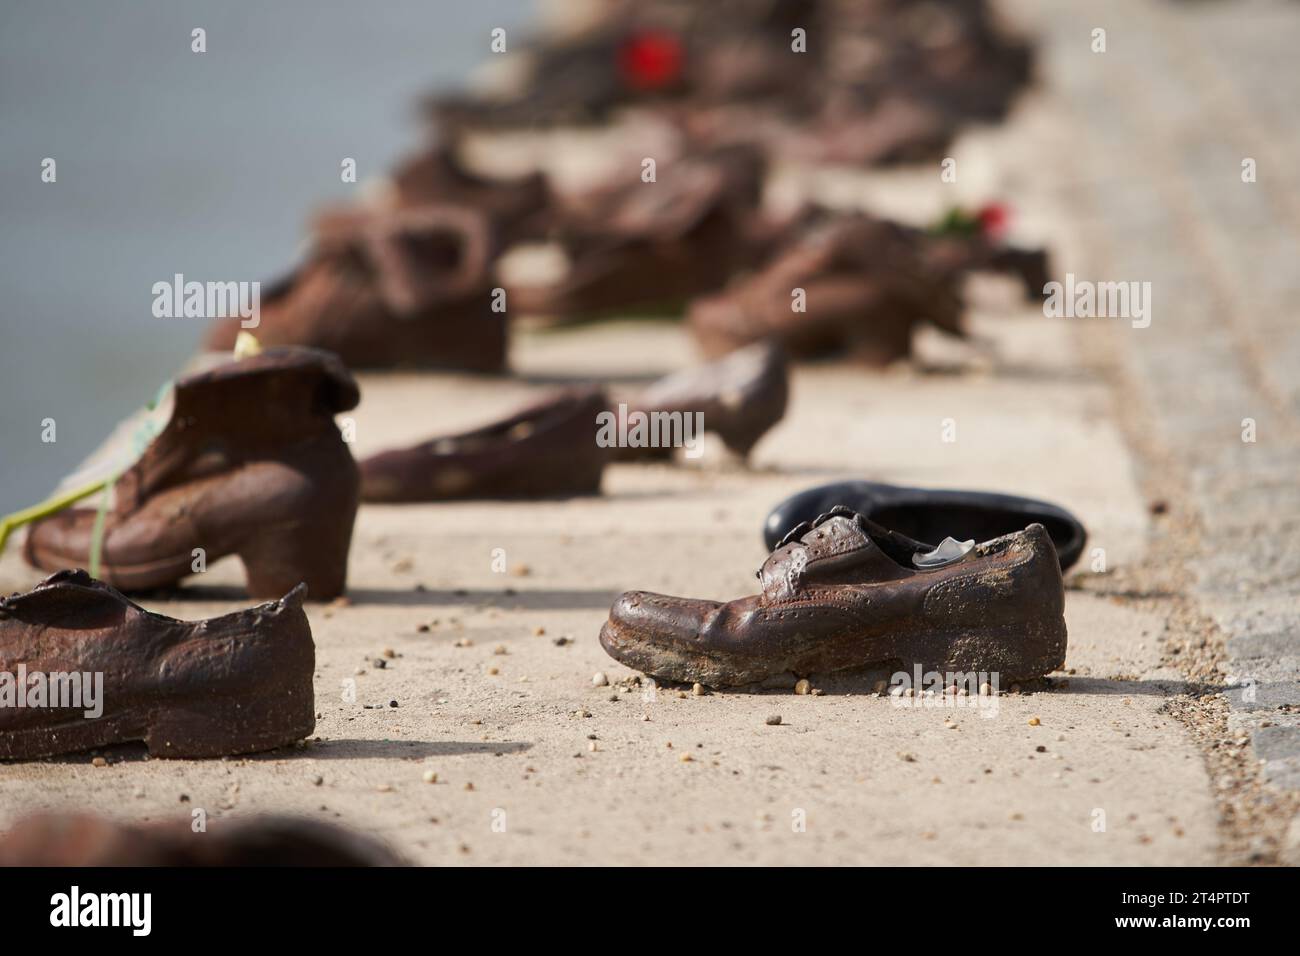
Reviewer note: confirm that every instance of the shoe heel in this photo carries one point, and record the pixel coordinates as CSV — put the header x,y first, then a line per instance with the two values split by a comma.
x,y
1014,651
315,554
219,726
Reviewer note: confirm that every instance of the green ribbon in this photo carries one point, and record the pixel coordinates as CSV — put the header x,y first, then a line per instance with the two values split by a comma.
x,y
140,440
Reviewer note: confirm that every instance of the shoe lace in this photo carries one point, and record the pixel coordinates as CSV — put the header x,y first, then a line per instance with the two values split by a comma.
x,y
801,529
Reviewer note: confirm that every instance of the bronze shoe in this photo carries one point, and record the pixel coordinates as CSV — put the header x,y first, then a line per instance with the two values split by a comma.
x,y
382,289
636,247
233,684
851,284
249,463
846,593
738,397
546,450
515,207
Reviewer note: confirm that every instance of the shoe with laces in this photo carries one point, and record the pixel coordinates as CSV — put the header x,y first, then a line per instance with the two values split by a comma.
x,y
844,593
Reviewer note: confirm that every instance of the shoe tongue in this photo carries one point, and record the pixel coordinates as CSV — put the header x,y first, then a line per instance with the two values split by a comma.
x,y
837,550
949,550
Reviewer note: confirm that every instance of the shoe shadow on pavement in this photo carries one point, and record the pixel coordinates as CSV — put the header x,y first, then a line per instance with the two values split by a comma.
x,y
354,748
343,748
1112,687
541,599
551,599
877,680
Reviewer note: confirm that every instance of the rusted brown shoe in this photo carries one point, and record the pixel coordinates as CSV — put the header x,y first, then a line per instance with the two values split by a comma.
x,y
249,463
846,593
546,450
108,672
964,242
81,839
382,289
650,246
514,207
738,397
851,284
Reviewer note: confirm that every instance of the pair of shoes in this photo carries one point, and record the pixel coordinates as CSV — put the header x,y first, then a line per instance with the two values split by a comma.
x,y
632,247
856,284
250,462
82,839
844,592
517,209
847,283
384,288
553,448
82,667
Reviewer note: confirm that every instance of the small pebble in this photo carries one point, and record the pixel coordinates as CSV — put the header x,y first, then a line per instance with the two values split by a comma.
x,y
430,776
599,679
802,687
697,689
500,649
562,640
1034,721
99,762
539,631
389,652
773,720
317,780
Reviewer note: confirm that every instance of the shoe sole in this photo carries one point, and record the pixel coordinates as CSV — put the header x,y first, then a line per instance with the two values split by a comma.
x,y
214,727
1012,652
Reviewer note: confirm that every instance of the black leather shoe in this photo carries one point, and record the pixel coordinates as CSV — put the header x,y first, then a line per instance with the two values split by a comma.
x,y
930,515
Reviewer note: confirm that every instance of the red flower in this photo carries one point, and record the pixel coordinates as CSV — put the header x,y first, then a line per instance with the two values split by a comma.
x,y
993,219
650,60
